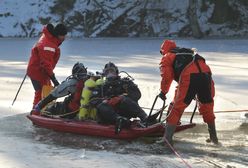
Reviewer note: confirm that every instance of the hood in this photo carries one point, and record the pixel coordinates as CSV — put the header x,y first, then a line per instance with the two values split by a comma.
x,y
166,46
49,35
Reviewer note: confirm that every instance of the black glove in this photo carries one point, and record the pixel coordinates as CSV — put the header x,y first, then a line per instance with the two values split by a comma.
x,y
162,95
54,80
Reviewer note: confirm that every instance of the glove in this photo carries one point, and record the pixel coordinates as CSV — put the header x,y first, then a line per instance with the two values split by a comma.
x,y
162,95
54,80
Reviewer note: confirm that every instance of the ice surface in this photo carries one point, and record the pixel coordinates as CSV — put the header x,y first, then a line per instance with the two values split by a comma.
x,y
24,146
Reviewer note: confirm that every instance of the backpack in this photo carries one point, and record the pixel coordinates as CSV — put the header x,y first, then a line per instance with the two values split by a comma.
x,y
184,56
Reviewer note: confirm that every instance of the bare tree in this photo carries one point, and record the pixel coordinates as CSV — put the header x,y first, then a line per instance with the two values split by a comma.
x,y
113,20
61,7
193,19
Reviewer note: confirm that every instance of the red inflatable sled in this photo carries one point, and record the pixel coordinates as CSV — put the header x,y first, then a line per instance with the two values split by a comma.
x,y
93,128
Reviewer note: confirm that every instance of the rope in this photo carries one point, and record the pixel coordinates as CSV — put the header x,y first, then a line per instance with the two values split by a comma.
x,y
176,153
221,111
218,111
147,108
46,113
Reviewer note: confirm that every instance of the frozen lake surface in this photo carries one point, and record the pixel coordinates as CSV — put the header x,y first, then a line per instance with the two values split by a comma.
x,y
23,145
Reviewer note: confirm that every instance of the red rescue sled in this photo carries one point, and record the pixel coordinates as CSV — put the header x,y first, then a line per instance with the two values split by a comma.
x,y
93,128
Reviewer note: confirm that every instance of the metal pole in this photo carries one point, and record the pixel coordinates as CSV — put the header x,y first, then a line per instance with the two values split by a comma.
x,y
19,89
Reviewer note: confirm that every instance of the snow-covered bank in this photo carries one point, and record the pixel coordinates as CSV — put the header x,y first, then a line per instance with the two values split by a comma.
x,y
108,18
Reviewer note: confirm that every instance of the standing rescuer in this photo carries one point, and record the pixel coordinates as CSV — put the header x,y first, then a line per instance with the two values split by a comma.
x,y
193,76
44,57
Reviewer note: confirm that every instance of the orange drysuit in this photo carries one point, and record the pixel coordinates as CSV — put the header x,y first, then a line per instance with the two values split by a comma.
x,y
194,79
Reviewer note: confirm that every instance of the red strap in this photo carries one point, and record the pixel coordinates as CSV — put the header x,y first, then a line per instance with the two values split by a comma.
x,y
114,100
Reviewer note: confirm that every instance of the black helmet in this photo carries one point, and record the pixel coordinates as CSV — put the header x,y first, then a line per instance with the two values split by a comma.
x,y
79,68
60,30
110,68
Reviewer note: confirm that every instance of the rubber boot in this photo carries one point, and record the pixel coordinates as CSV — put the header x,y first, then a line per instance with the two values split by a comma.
x,y
169,131
143,117
150,120
212,133
153,117
121,122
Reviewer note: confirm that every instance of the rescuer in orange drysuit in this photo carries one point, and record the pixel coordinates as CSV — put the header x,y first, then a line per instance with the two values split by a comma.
x,y
193,76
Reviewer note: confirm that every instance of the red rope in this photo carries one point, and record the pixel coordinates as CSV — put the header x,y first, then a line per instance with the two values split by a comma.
x,y
222,111
219,111
176,153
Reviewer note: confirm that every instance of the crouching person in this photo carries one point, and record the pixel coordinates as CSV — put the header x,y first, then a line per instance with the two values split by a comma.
x,y
120,102
71,87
